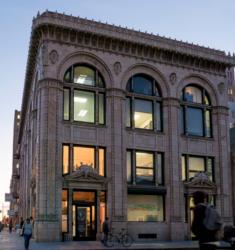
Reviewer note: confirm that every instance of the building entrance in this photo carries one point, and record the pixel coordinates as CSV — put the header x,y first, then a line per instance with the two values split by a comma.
x,y
84,215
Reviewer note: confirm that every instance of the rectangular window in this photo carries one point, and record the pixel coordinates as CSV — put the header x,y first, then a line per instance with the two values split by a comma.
x,y
159,168
101,162
183,167
194,121
145,208
101,108
65,169
64,212
158,115
192,165
208,123
144,168
66,104
128,112
83,156
143,114
128,166
84,106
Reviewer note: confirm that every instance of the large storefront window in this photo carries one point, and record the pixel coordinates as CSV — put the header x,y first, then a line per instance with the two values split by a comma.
x,y
145,208
191,165
144,168
195,112
93,157
143,103
84,95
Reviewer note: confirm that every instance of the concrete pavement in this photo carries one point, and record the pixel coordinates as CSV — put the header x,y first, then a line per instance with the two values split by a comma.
x,y
14,242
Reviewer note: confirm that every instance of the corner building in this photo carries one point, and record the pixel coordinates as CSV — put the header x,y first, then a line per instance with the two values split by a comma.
x,y
123,124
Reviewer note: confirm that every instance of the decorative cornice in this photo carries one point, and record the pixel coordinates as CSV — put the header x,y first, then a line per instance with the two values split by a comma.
x,y
91,34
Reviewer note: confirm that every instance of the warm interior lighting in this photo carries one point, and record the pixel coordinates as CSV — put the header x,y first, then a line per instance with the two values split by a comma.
x,y
82,113
80,99
136,116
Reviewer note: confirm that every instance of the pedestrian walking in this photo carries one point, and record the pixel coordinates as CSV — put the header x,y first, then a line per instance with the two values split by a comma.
x,y
198,226
10,225
27,229
105,229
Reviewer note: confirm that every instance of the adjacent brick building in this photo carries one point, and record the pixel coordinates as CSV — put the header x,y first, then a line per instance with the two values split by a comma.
x,y
123,124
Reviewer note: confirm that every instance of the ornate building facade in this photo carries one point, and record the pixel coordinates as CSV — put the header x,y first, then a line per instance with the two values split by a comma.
x,y
123,124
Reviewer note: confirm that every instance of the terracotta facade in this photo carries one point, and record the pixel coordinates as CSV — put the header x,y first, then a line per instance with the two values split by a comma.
x,y
58,42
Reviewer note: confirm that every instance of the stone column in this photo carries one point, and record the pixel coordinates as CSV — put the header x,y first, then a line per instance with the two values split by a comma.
x,y
223,164
47,221
175,197
115,102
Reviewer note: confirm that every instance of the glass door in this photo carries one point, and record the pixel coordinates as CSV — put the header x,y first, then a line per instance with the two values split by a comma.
x,y
84,215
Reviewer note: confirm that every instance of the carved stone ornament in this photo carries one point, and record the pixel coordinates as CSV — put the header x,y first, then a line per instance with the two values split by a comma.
x,y
86,170
117,67
221,87
53,56
173,78
201,180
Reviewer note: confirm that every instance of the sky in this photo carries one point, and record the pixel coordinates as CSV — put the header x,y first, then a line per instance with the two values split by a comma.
x,y
204,22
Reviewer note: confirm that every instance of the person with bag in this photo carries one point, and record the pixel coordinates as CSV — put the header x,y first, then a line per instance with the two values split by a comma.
x,y
105,229
27,229
206,222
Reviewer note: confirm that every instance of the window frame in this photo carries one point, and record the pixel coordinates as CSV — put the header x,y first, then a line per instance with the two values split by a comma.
x,y
96,158
133,168
205,159
185,105
96,90
155,99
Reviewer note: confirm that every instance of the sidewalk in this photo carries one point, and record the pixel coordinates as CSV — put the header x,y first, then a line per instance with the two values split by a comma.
x,y
14,242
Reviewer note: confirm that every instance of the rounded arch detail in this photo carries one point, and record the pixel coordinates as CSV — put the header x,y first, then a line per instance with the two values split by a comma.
x,y
85,58
148,70
201,82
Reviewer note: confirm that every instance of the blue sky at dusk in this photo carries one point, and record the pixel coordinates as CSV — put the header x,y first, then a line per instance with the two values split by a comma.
x,y
205,22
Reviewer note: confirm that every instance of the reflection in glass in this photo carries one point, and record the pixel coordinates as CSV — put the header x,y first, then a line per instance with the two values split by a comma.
x,y
158,116
193,94
101,108
144,168
194,121
128,166
196,165
128,112
84,75
102,208
84,106
65,159
143,115
83,156
145,208
64,212
101,162
66,104
142,85
208,123
209,169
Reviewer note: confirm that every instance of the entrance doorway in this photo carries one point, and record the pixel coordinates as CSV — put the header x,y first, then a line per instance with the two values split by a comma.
x,y
84,215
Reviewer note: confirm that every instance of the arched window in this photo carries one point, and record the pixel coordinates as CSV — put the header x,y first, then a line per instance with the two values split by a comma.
x,y
196,111
84,95
143,103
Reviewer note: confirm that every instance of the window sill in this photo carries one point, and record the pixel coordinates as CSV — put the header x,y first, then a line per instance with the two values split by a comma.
x,y
144,189
144,131
195,137
84,124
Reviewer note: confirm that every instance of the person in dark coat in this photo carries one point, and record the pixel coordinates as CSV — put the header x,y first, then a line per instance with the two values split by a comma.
x,y
201,232
106,229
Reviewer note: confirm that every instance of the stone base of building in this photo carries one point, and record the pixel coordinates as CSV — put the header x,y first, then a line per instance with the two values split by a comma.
x,y
47,231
